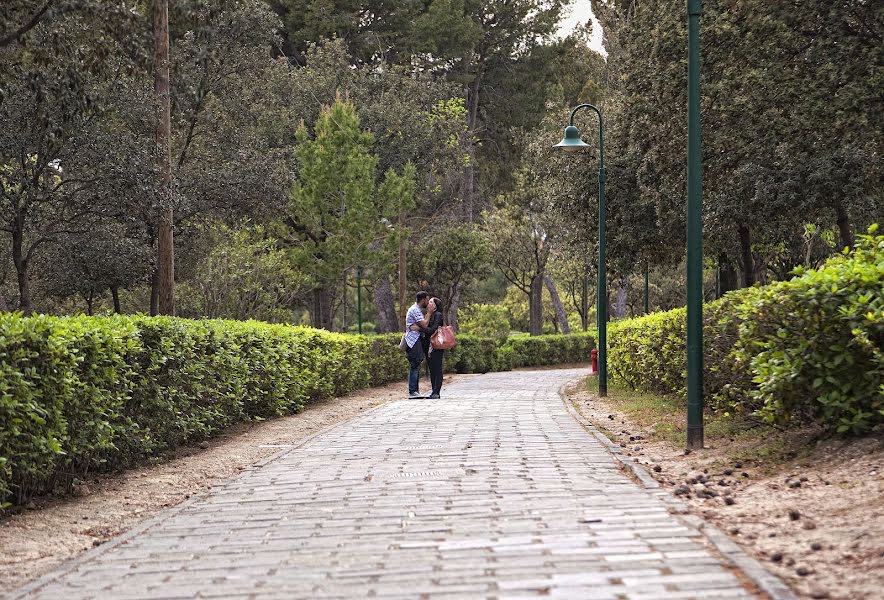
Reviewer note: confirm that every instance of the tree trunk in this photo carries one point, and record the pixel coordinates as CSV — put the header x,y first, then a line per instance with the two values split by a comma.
x,y
388,322
21,270
321,313
155,293
24,289
727,275
469,177
844,229
469,172
619,311
535,305
90,300
557,304
115,294
403,277
452,310
584,304
344,303
165,239
748,265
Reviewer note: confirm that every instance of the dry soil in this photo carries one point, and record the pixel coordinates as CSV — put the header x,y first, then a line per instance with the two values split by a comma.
x,y
816,521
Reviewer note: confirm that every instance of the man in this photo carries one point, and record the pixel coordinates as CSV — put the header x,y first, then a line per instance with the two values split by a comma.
x,y
414,322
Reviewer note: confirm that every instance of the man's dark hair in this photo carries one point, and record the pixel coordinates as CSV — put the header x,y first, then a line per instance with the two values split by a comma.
x,y
422,295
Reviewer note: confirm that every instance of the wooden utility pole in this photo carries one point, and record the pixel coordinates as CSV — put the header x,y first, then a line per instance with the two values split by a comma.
x,y
165,239
402,277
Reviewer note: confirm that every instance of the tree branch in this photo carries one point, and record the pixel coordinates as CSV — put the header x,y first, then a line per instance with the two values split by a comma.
x,y
27,26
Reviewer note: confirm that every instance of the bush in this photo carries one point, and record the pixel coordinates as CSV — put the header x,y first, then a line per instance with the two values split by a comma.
x,y
485,320
86,394
80,395
476,355
542,350
815,344
808,349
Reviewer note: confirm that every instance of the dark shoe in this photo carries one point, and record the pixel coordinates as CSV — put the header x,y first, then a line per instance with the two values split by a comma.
x,y
415,396
433,397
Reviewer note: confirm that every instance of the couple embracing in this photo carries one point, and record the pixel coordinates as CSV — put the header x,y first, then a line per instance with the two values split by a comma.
x,y
422,323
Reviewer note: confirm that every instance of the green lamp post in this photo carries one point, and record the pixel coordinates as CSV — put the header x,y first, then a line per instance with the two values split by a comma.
x,y
572,142
695,236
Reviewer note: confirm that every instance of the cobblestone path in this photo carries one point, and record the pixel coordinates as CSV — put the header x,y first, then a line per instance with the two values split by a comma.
x,y
493,492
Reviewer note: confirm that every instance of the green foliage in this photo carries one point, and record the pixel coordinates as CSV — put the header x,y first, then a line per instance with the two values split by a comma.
x,y
339,218
543,350
790,106
486,320
245,274
474,354
797,351
89,393
446,259
85,394
815,343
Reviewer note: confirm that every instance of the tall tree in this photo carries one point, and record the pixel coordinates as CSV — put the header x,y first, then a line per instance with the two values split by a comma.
x,y
165,275
337,210
791,111
447,260
468,40
413,117
54,74
519,230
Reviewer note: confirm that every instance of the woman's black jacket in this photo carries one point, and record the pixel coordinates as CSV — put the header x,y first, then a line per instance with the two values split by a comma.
x,y
434,323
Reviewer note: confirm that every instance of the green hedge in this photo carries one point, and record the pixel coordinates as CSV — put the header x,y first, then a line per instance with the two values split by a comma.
x,y
542,350
798,351
86,394
83,394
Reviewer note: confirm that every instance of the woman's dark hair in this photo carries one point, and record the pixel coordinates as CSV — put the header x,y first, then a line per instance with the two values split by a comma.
x,y
438,304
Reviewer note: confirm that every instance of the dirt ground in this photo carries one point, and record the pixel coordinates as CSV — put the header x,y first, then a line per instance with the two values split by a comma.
x,y
811,511
50,531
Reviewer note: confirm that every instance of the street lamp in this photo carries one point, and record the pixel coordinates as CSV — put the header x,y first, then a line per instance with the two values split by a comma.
x,y
572,142
695,236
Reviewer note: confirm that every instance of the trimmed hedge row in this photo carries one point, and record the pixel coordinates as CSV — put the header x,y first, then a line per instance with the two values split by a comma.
x,y
87,394
474,354
83,394
806,350
543,350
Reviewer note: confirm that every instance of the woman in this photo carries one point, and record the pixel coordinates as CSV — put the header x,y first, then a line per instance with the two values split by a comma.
x,y
434,356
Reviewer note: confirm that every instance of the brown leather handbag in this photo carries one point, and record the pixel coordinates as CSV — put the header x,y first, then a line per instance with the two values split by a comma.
x,y
444,338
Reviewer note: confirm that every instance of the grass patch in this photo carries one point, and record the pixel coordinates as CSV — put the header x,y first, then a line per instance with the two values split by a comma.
x,y
665,417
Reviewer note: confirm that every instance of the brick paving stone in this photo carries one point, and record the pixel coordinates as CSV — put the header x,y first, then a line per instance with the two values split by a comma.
x,y
494,492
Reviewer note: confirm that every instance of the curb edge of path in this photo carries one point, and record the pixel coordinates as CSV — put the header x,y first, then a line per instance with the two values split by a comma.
x,y
767,582
65,567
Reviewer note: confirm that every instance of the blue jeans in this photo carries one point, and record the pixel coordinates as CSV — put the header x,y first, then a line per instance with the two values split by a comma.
x,y
415,358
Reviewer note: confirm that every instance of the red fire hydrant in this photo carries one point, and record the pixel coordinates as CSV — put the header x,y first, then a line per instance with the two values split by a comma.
x,y
594,365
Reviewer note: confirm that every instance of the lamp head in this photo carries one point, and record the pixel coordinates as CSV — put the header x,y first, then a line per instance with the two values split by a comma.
x,y
571,142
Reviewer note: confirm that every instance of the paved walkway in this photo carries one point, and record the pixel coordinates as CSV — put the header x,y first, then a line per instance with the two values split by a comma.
x,y
493,492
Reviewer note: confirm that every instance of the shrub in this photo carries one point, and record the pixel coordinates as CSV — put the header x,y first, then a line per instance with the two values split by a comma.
x,y
542,350
808,349
86,394
476,355
815,344
485,320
